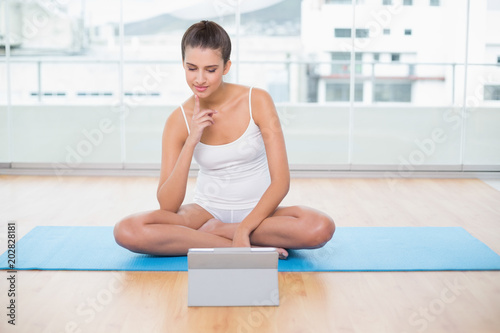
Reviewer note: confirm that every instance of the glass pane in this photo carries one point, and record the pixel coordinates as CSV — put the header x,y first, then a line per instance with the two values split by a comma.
x,y
66,56
3,81
315,135
153,78
406,138
482,98
80,83
4,135
274,78
410,78
65,137
24,82
270,42
46,28
144,132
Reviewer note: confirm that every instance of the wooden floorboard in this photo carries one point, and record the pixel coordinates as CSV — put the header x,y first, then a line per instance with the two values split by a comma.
x,y
71,301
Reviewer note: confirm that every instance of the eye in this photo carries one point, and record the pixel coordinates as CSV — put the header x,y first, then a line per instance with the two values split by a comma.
x,y
211,70
191,68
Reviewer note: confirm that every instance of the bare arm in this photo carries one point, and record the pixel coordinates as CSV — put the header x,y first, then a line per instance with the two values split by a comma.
x,y
267,119
177,153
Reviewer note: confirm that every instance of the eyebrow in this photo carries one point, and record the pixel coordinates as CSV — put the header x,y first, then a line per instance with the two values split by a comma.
x,y
190,64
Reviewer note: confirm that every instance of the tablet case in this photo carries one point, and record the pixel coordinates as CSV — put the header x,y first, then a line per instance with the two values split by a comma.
x,y
233,277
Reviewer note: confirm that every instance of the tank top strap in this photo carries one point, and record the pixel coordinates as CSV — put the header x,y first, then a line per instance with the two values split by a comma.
x,y
250,102
186,121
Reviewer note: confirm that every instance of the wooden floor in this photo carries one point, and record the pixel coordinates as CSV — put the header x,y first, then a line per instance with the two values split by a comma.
x,y
58,301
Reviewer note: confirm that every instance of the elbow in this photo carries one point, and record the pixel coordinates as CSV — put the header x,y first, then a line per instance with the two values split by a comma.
x,y
161,201
158,197
286,187
283,184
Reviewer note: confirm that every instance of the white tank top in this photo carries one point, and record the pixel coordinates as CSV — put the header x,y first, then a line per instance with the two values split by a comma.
x,y
233,175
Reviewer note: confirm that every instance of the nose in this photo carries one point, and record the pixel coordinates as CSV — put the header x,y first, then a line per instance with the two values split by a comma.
x,y
200,77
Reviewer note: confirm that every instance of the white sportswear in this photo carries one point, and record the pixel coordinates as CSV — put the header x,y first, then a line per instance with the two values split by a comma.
x,y
233,176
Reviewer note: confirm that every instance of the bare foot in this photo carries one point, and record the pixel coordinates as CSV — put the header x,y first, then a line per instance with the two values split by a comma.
x,y
219,228
283,254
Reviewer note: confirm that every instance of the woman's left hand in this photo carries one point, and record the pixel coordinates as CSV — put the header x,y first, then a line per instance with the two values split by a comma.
x,y
241,238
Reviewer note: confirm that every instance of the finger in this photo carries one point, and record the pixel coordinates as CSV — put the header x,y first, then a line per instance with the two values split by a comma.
x,y
206,119
196,104
206,112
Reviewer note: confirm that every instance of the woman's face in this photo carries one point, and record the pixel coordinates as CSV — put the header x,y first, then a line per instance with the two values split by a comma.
x,y
204,69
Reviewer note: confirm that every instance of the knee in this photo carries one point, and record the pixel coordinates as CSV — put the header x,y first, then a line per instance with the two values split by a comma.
x,y
126,233
321,228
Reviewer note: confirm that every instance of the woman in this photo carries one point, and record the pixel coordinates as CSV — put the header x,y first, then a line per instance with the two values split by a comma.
x,y
234,134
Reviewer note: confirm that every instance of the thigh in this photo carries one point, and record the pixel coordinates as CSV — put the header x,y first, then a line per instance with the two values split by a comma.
x,y
193,215
296,211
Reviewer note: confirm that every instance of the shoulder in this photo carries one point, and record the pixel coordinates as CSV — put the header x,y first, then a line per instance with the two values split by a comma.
x,y
175,124
262,104
261,99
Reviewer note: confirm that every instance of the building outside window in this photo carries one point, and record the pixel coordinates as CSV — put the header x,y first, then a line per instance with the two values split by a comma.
x,y
492,92
297,50
342,33
340,92
392,92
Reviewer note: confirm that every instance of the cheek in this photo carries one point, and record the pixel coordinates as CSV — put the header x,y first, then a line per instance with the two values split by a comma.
x,y
216,77
190,75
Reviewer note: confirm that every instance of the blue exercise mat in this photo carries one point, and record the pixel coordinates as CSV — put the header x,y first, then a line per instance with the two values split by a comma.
x,y
351,249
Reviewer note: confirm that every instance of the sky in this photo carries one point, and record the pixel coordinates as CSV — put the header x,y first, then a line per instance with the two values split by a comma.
x,y
101,12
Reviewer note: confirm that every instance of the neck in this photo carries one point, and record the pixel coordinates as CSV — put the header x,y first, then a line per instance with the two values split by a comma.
x,y
215,99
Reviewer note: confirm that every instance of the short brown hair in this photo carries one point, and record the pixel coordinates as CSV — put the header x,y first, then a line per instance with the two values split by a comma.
x,y
207,34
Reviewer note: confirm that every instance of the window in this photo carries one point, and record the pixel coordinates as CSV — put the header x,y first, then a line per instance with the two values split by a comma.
x,y
387,2
346,33
376,57
362,33
387,31
338,2
491,93
342,33
392,92
343,2
434,3
498,60
395,57
340,92
342,60
407,32
408,3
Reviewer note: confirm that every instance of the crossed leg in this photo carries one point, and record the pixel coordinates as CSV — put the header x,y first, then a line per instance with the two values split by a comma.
x,y
165,233
294,227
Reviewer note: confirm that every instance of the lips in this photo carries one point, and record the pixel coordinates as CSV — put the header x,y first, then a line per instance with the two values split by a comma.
x,y
200,88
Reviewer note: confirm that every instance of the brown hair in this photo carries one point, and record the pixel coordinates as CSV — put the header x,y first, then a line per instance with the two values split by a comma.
x,y
207,34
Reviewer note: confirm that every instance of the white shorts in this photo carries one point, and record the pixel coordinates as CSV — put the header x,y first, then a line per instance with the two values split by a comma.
x,y
228,215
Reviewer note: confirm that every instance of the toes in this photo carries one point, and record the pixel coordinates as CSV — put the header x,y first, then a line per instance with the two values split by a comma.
x,y
283,254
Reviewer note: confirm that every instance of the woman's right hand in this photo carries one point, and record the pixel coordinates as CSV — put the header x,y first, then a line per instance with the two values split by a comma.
x,y
201,120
